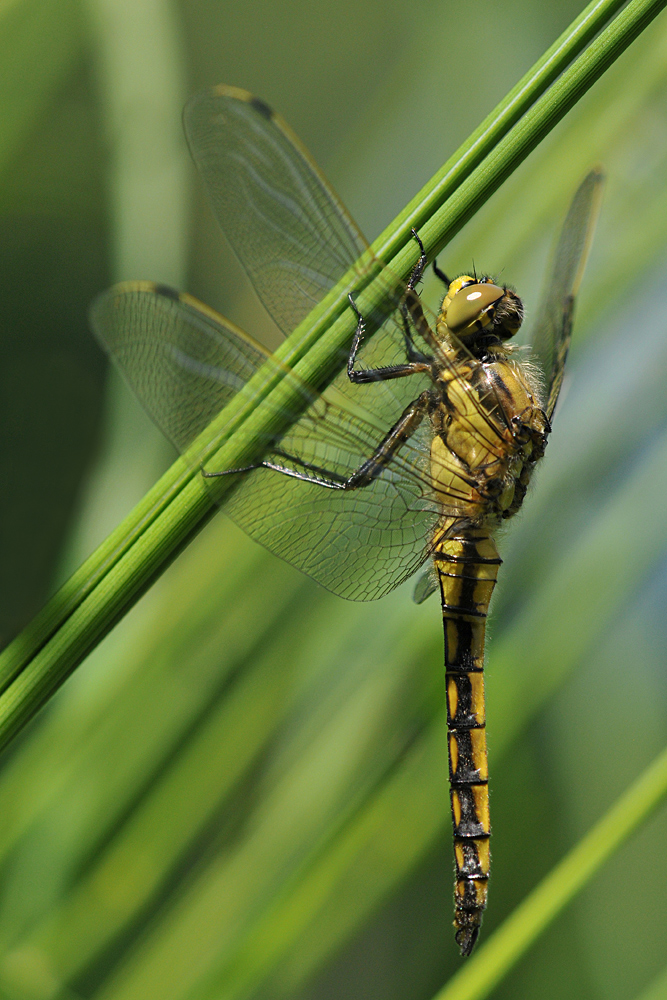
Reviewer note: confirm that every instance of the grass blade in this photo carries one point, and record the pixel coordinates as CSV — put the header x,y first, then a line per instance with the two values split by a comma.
x,y
84,610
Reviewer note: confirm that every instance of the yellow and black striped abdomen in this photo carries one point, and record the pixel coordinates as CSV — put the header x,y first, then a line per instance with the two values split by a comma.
x,y
467,566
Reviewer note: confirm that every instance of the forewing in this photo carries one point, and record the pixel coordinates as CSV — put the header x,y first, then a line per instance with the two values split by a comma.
x,y
286,225
553,330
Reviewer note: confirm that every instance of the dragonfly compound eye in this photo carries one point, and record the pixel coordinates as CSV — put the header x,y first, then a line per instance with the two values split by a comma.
x,y
472,305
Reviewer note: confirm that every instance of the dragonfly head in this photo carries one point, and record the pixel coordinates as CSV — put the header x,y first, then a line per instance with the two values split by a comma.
x,y
476,310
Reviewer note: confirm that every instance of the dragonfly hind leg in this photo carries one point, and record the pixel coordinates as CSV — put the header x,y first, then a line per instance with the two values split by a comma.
x,y
369,470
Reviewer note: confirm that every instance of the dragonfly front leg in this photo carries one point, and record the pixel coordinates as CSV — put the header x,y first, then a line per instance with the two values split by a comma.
x,y
411,309
368,471
417,362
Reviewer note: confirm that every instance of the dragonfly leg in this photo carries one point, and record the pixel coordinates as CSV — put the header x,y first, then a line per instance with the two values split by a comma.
x,y
417,272
331,480
417,362
401,432
369,470
413,308
441,275
415,277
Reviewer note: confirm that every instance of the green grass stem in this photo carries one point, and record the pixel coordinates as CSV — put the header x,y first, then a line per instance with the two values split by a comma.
x,y
123,567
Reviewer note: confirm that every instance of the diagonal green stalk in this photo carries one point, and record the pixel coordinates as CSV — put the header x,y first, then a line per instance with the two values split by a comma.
x,y
503,949
123,567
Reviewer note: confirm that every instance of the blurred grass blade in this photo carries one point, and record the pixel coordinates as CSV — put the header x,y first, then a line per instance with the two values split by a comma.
x,y
657,989
125,565
496,957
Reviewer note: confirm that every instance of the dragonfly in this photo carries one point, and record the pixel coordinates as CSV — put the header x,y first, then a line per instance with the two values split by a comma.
x,y
415,453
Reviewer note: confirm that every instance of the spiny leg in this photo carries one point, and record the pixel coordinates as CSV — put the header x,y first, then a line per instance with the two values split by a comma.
x,y
368,471
417,272
411,307
417,362
415,277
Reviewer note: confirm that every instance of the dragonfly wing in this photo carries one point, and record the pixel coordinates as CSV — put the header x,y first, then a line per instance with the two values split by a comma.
x,y
183,360
185,363
553,330
427,584
288,228
286,225
358,544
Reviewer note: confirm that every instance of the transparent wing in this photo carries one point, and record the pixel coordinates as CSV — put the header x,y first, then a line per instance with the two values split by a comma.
x,y
427,584
183,360
286,225
361,544
553,330
185,363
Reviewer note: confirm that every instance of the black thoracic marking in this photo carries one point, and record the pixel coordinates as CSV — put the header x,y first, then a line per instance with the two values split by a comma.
x,y
469,825
466,773
262,107
464,718
167,292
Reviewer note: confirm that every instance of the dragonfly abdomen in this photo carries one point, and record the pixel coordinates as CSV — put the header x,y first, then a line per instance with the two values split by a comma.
x,y
467,566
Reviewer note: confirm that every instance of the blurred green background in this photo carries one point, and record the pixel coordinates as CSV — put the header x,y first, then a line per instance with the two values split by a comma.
x,y
242,793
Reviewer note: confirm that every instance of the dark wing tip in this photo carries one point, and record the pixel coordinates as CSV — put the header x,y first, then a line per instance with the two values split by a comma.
x,y
166,291
262,108
234,94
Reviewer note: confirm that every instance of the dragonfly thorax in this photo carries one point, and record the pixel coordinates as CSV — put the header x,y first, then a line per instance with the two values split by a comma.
x,y
476,312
